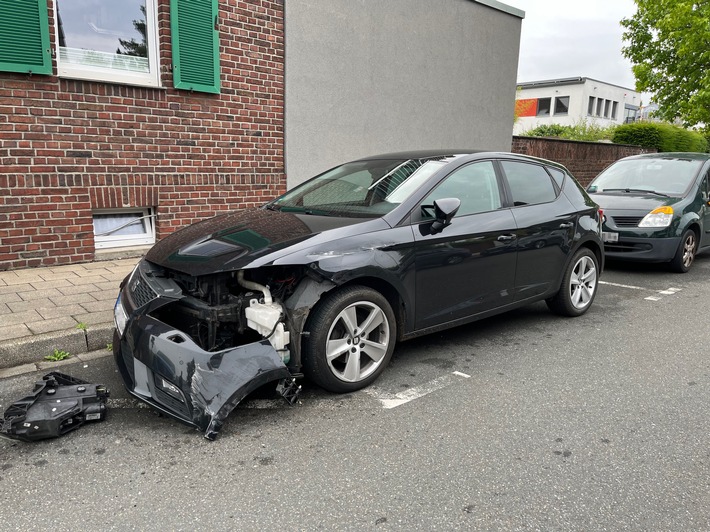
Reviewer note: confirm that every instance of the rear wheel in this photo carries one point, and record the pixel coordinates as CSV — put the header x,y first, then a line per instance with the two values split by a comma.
x,y
351,339
579,285
685,255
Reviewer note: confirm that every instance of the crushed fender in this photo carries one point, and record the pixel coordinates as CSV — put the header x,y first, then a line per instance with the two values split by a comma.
x,y
58,404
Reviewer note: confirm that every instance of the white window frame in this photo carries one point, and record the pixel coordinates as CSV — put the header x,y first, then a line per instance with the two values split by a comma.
x,y
116,241
95,73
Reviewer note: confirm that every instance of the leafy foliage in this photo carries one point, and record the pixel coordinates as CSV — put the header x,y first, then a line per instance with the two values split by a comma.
x,y
668,43
582,130
661,136
58,355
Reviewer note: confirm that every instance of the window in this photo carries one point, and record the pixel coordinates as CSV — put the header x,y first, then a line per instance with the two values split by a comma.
x,y
108,41
112,41
600,105
122,227
590,108
607,105
529,183
475,185
562,105
543,107
614,109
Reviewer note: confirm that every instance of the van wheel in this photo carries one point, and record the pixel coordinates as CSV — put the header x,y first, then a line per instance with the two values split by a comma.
x,y
685,255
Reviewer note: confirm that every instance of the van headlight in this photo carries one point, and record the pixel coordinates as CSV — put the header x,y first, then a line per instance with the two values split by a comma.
x,y
120,317
660,217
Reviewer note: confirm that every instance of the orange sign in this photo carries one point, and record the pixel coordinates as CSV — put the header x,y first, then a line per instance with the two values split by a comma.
x,y
527,107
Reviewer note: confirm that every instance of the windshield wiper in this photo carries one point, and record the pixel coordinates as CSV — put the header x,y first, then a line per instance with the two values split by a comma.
x,y
635,190
272,207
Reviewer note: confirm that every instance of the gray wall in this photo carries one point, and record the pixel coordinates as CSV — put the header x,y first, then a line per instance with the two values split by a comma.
x,y
373,76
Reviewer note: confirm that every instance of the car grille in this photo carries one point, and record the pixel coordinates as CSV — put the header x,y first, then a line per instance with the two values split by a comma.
x,y
141,292
623,247
627,221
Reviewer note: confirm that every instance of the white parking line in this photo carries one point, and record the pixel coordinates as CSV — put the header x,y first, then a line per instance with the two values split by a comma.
x,y
390,400
623,285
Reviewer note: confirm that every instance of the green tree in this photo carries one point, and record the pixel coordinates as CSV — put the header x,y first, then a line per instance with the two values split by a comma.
x,y
668,43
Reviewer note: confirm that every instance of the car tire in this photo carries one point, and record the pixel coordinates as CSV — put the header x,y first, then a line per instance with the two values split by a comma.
x,y
685,254
336,354
579,285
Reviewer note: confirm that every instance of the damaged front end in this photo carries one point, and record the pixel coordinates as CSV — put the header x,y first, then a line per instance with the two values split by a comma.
x,y
194,347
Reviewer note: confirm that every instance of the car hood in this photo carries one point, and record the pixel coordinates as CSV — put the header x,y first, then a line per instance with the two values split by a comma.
x,y
247,239
632,202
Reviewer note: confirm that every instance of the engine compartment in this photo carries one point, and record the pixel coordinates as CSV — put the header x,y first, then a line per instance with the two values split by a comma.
x,y
228,309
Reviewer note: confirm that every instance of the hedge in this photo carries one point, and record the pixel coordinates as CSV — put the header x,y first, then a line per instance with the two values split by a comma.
x,y
661,136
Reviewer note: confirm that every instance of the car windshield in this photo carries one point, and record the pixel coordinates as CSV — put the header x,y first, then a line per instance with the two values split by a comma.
x,y
366,189
649,176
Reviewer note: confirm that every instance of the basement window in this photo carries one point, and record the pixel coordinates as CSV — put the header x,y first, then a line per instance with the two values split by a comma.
x,y
124,228
108,41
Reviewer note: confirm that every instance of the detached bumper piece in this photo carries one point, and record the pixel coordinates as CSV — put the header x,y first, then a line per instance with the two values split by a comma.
x,y
58,404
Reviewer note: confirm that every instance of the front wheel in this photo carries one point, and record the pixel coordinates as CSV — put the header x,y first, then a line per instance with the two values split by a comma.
x,y
351,339
685,254
579,285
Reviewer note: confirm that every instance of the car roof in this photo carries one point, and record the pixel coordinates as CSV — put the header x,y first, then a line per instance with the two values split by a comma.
x,y
695,156
456,153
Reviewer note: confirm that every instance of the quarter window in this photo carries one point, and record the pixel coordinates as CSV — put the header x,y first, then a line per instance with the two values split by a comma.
x,y
106,40
529,183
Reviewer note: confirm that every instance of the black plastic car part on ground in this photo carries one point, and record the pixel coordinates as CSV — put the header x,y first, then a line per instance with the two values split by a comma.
x,y
325,279
58,404
655,208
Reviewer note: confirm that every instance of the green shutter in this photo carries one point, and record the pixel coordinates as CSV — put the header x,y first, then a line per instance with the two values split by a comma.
x,y
193,24
24,37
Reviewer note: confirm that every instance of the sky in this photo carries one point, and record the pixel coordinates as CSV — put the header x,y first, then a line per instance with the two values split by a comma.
x,y
574,38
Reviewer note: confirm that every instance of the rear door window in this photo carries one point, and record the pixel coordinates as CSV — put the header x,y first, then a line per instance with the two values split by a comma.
x,y
529,183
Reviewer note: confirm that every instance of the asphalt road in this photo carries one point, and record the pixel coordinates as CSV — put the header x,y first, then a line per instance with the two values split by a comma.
x,y
521,422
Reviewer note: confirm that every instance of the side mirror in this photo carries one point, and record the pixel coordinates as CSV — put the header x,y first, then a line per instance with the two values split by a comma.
x,y
444,210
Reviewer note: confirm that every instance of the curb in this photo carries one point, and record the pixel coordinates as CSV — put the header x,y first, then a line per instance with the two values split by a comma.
x,y
44,365
32,349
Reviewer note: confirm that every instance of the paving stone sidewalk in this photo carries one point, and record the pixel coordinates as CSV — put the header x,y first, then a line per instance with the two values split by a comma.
x,y
69,308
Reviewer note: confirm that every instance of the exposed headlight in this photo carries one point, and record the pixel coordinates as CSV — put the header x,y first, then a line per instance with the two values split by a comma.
x,y
660,217
119,316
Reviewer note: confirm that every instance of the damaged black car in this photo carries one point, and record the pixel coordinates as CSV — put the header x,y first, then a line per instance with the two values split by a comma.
x,y
324,280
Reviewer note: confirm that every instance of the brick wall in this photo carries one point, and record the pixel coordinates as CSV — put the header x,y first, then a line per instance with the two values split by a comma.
x,y
583,159
68,147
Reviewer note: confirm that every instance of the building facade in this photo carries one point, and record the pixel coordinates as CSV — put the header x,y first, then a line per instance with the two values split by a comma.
x,y
568,101
124,121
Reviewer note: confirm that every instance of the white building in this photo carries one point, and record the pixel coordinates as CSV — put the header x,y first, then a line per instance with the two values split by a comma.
x,y
568,101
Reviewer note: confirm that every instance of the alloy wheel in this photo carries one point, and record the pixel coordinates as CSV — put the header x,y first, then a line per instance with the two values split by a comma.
x,y
583,282
357,341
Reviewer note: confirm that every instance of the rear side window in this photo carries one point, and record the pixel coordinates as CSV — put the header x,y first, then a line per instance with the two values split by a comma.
x,y
557,175
529,183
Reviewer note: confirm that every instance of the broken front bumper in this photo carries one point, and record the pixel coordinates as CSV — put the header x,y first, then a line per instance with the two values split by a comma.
x,y
165,368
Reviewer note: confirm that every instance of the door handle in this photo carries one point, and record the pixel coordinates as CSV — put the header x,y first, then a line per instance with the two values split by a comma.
x,y
506,238
566,225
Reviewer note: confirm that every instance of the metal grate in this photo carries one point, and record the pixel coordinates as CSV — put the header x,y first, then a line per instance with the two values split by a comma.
x,y
141,292
627,221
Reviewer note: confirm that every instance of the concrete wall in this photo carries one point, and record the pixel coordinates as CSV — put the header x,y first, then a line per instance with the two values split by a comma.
x,y
372,76
583,159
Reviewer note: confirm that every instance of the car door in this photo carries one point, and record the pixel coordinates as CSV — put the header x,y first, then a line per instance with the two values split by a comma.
x,y
704,193
545,224
469,266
